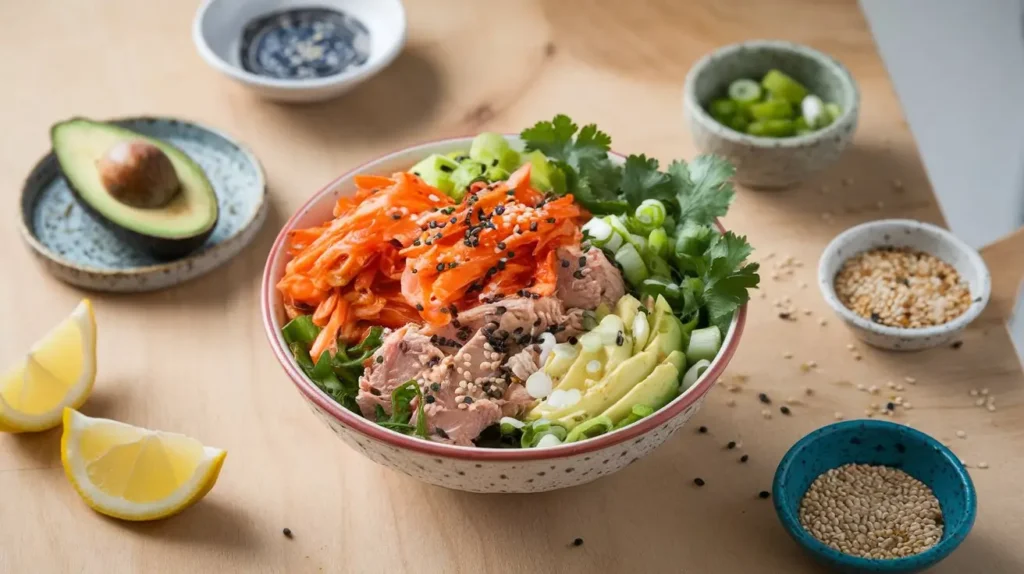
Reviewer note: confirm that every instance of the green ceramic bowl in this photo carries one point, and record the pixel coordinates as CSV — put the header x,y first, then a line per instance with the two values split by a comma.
x,y
763,162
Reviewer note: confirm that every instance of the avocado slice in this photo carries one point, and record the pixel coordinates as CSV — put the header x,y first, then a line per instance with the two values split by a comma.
x,y
95,156
660,387
608,391
627,308
545,175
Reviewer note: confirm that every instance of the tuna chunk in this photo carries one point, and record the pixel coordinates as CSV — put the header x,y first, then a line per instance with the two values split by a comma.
x,y
513,319
404,354
524,363
587,286
517,401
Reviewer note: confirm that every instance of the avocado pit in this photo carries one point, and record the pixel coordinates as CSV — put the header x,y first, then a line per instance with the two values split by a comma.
x,y
138,174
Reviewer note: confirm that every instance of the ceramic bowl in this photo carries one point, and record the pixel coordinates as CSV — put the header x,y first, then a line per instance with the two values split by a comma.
x,y
916,235
457,467
878,443
771,162
217,32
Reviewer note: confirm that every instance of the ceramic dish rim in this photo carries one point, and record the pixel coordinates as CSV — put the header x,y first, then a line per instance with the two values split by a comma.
x,y
370,429
827,286
36,245
355,75
930,556
701,115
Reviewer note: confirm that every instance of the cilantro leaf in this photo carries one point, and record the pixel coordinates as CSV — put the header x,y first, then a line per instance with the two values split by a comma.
x,y
703,188
555,140
641,180
726,282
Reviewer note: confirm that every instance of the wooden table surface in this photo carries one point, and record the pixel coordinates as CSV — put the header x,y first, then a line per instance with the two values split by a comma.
x,y
194,358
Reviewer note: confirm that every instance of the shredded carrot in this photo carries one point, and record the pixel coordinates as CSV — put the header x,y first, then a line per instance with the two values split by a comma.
x,y
399,251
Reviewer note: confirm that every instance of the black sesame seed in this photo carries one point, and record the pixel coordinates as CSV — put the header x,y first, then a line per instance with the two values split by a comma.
x,y
699,481
731,445
537,323
500,309
454,220
890,406
784,410
583,261
565,263
501,264
578,274
764,494
577,542
511,254
414,271
957,344
703,429
499,210
551,220
440,432
419,307
429,399
525,339
785,315
395,243
875,317
468,400
417,243
573,340
380,359
501,245
620,339
764,398
435,387
396,216
287,532
403,346
745,458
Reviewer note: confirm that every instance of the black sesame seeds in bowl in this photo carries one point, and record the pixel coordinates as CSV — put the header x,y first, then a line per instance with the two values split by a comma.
x,y
901,284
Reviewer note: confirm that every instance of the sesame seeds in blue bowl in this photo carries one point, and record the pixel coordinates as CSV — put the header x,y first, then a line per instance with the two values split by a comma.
x,y
904,451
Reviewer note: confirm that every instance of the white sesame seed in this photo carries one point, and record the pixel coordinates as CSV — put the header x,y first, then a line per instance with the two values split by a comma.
x,y
961,434
837,415
890,384
907,406
990,408
873,389
973,392
984,392
899,388
787,355
766,413
979,403
861,387
823,321
850,346
983,465
805,311
910,380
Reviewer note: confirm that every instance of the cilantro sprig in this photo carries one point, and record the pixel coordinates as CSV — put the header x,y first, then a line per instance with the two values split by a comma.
x,y
710,269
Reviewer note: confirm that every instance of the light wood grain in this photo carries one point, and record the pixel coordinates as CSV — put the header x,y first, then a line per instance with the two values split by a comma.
x,y
194,359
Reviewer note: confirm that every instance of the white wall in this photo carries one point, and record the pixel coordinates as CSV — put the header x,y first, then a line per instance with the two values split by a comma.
x,y
958,67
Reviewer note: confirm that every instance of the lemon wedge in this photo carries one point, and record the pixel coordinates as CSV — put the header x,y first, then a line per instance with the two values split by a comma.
x,y
57,372
134,473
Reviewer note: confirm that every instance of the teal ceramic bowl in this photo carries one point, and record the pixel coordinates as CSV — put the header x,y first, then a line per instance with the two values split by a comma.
x,y
881,443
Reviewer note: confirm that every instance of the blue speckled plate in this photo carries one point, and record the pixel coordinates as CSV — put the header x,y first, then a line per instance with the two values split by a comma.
x,y
78,250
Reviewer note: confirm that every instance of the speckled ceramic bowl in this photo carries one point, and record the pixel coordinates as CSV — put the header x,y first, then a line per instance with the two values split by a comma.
x,y
771,162
79,250
466,468
879,443
916,235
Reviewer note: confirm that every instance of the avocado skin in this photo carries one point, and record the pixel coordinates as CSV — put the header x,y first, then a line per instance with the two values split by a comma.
x,y
162,248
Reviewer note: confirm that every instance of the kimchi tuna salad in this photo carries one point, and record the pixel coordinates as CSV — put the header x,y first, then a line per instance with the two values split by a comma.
x,y
521,293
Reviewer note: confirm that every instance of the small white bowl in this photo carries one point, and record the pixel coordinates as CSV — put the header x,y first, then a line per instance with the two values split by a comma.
x,y
915,235
217,33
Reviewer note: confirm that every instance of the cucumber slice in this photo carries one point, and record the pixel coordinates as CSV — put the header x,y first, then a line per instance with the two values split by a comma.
x,y
492,150
772,128
723,110
744,91
467,172
436,170
833,110
772,110
783,86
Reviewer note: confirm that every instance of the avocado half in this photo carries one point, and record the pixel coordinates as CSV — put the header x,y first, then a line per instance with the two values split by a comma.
x,y
172,230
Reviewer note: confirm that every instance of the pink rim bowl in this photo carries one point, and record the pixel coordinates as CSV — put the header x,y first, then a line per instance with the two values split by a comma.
x,y
467,468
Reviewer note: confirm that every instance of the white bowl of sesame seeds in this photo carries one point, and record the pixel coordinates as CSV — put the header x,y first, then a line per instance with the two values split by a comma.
x,y
902,284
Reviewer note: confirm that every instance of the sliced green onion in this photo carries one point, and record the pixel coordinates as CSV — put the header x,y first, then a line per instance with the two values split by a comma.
x,y
657,243
638,241
784,87
812,111
651,213
704,343
723,110
656,266
598,231
745,90
833,110
509,425
633,266
591,428
772,128
694,373
621,233
548,440
772,110
739,123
